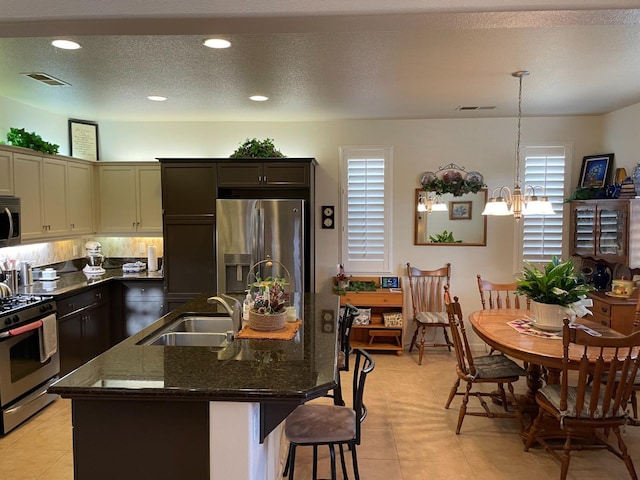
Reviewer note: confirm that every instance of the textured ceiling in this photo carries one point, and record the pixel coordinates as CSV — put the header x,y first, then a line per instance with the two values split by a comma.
x,y
323,67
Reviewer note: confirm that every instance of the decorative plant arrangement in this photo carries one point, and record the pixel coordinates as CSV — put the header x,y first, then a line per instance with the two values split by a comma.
x,y
19,137
452,179
254,148
270,297
557,284
555,292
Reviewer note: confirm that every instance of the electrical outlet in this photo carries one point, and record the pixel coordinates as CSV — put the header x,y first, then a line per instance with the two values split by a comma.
x,y
142,248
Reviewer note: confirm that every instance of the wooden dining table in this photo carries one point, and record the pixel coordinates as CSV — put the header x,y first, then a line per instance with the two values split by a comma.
x,y
492,327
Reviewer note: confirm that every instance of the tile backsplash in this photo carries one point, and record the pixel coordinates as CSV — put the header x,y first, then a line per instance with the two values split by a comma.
x,y
60,251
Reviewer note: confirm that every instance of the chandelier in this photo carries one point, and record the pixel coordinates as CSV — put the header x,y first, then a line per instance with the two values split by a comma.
x,y
504,201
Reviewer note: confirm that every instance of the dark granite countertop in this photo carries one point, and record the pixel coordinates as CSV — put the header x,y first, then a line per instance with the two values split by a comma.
x,y
246,370
75,282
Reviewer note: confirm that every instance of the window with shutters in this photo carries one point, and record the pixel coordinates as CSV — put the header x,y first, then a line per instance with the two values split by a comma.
x,y
540,237
366,207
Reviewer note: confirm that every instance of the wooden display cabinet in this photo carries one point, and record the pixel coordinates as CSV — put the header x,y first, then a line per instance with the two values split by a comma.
x,y
375,336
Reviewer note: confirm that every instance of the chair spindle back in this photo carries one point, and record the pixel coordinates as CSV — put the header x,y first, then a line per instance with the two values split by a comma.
x,y
499,295
464,358
426,287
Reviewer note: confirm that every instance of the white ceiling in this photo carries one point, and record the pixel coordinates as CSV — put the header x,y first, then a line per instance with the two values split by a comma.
x,y
322,60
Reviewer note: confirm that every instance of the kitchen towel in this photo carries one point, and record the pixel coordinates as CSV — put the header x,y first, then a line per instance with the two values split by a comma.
x,y
152,258
48,337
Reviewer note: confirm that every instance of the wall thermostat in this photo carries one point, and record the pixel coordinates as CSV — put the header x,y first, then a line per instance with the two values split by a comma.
x,y
328,216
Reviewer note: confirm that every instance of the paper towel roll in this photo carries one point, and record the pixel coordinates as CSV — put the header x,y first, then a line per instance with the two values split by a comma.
x,y
152,259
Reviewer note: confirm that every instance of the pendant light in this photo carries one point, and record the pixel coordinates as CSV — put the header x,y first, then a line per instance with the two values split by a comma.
x,y
506,202
430,204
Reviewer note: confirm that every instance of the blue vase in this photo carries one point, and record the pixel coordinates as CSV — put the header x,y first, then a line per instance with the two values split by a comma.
x,y
601,277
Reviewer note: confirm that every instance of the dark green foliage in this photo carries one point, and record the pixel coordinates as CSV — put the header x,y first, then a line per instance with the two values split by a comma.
x,y
557,284
18,137
254,148
455,187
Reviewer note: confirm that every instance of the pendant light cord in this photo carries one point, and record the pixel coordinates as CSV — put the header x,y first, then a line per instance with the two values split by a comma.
x,y
519,75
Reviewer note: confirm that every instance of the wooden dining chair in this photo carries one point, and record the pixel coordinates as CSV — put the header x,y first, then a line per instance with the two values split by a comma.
x,y
589,409
321,424
426,288
636,383
499,295
496,369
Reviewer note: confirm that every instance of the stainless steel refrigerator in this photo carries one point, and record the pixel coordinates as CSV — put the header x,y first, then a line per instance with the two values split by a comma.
x,y
249,231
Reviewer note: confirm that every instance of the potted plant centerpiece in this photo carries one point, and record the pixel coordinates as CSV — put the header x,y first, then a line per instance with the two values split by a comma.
x,y
268,311
555,292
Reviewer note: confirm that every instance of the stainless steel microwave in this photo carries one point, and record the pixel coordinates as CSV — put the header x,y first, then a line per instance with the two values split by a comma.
x,y
9,221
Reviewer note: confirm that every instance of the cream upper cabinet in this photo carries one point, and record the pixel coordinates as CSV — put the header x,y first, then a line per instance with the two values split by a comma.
x,y
130,198
27,183
54,195
80,197
6,173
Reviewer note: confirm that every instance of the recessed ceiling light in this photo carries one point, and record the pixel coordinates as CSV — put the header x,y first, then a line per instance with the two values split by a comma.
x,y
157,98
216,43
258,98
66,44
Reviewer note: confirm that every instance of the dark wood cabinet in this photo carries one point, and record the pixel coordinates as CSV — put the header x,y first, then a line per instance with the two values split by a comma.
x,y
143,304
188,188
281,174
84,330
600,229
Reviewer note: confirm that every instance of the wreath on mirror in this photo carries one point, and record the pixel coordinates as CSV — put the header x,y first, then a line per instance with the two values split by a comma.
x,y
452,179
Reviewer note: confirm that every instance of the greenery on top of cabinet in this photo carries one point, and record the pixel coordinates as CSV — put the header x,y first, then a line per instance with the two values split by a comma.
x,y
254,148
19,137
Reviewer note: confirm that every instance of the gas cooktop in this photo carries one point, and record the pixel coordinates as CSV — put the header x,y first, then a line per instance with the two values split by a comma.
x,y
20,301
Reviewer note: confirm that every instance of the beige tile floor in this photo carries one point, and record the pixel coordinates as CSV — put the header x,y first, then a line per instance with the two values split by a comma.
x,y
408,435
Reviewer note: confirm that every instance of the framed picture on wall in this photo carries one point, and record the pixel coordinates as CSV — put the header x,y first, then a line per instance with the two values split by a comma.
x,y
595,170
83,139
460,210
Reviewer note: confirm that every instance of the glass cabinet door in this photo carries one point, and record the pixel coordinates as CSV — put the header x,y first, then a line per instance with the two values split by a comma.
x,y
611,232
584,239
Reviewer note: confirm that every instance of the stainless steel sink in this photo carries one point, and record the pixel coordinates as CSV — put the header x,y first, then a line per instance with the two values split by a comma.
x,y
199,324
190,339
196,331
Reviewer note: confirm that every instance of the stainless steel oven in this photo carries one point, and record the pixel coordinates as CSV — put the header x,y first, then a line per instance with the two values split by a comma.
x,y
25,373
9,221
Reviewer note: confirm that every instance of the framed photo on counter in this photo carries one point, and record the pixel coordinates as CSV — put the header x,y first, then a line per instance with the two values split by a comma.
x,y
83,139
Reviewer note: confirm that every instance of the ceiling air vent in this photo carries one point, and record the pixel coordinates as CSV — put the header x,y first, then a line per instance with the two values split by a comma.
x,y
46,78
466,109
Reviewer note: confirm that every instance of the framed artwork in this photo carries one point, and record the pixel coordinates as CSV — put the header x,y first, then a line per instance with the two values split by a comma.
x,y
595,170
460,210
388,282
83,139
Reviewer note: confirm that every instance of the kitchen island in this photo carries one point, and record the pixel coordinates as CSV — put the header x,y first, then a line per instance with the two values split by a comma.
x,y
166,412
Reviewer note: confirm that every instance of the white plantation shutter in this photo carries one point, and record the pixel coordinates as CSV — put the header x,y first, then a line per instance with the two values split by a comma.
x,y
544,166
366,206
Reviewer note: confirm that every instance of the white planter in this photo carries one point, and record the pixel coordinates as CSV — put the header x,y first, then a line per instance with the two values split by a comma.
x,y
548,316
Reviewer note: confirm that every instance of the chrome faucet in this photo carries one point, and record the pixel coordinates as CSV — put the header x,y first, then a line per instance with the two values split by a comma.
x,y
234,312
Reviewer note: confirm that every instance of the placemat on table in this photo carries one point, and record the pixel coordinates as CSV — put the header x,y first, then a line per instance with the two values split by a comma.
x,y
285,333
524,325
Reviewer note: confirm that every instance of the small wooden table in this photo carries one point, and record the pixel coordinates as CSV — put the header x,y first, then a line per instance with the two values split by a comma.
x,y
491,326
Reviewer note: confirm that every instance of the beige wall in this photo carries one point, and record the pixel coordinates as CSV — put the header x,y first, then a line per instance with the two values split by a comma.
x,y
485,145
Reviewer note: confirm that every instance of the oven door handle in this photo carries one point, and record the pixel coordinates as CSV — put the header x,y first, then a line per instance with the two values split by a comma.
x,y
20,330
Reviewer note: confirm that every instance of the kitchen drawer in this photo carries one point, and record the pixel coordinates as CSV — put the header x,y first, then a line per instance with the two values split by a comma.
x,y
94,296
601,308
599,319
